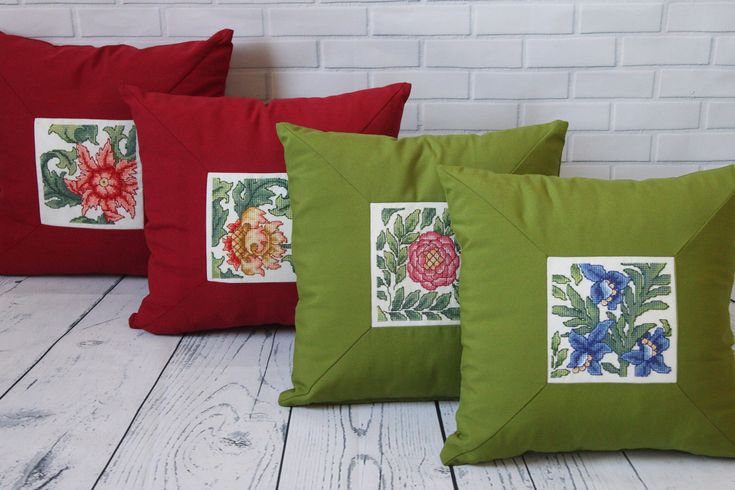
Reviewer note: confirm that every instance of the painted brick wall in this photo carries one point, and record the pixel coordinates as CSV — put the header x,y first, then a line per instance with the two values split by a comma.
x,y
648,87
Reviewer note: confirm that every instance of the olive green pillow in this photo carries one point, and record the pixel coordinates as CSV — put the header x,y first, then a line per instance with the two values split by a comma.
x,y
375,258
594,314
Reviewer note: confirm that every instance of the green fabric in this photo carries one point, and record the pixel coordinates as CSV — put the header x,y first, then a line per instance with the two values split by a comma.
x,y
333,178
507,407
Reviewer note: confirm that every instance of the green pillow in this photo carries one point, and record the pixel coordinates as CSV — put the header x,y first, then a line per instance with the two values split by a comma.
x,y
594,314
375,258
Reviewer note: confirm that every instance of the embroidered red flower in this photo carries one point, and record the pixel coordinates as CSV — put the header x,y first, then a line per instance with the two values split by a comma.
x,y
105,183
254,243
432,261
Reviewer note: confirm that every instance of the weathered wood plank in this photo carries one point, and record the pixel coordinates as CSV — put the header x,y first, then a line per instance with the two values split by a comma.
x,y
213,420
592,470
507,474
666,469
36,312
60,425
9,282
382,445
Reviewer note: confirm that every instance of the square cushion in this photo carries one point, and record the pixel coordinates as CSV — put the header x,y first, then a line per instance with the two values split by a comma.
x,y
594,314
217,202
376,259
70,180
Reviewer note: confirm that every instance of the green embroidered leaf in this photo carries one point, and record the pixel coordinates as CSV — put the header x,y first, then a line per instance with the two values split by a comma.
x,y
386,277
653,305
431,315
398,299
117,135
392,242
254,193
412,220
386,213
559,373
638,331
73,133
413,315
447,222
396,315
381,316
390,261
220,192
100,220
289,259
637,279
610,368
400,274
426,300
610,315
592,312
560,279
662,280
382,295
574,298
55,192
451,313
441,302
398,228
659,291
380,241
411,300
380,262
282,207
439,226
402,255
667,327
562,356
380,282
559,310
427,216
576,274
218,273
409,238
558,293
555,342
574,322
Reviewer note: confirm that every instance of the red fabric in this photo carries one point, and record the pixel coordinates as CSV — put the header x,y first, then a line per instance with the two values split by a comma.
x,y
184,138
38,79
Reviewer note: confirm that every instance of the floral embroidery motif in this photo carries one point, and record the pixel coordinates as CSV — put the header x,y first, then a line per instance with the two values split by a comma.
x,y
621,330
415,265
248,228
88,173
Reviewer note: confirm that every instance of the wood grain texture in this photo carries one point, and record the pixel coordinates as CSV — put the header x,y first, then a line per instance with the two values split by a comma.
x,y
60,425
213,420
666,469
36,312
382,445
8,283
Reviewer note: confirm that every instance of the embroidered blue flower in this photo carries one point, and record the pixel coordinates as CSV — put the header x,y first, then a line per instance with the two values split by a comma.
x,y
588,351
649,355
607,289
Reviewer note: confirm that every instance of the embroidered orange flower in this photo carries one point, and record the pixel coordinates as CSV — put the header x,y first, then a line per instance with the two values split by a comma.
x,y
104,183
254,243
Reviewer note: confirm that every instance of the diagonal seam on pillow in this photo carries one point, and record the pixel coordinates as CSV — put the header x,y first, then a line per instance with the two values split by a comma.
x,y
399,90
221,38
128,91
510,222
706,417
326,371
183,300
543,139
12,90
696,234
287,127
499,429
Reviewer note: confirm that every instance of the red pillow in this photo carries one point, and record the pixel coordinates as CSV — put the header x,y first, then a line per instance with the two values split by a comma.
x,y
217,208
70,191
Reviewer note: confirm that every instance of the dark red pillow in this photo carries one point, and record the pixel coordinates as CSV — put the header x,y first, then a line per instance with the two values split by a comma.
x,y
70,192
217,207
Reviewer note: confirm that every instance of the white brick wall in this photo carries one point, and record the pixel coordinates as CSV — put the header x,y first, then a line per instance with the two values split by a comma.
x,y
647,85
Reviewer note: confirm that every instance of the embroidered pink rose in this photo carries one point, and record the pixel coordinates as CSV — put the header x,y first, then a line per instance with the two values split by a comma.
x,y
432,261
253,243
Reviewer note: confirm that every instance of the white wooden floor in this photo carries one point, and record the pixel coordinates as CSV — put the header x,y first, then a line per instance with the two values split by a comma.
x,y
86,402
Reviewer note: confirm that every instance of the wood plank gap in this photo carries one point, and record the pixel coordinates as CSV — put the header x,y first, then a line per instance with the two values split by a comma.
x,y
635,470
444,438
283,450
132,420
66,332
